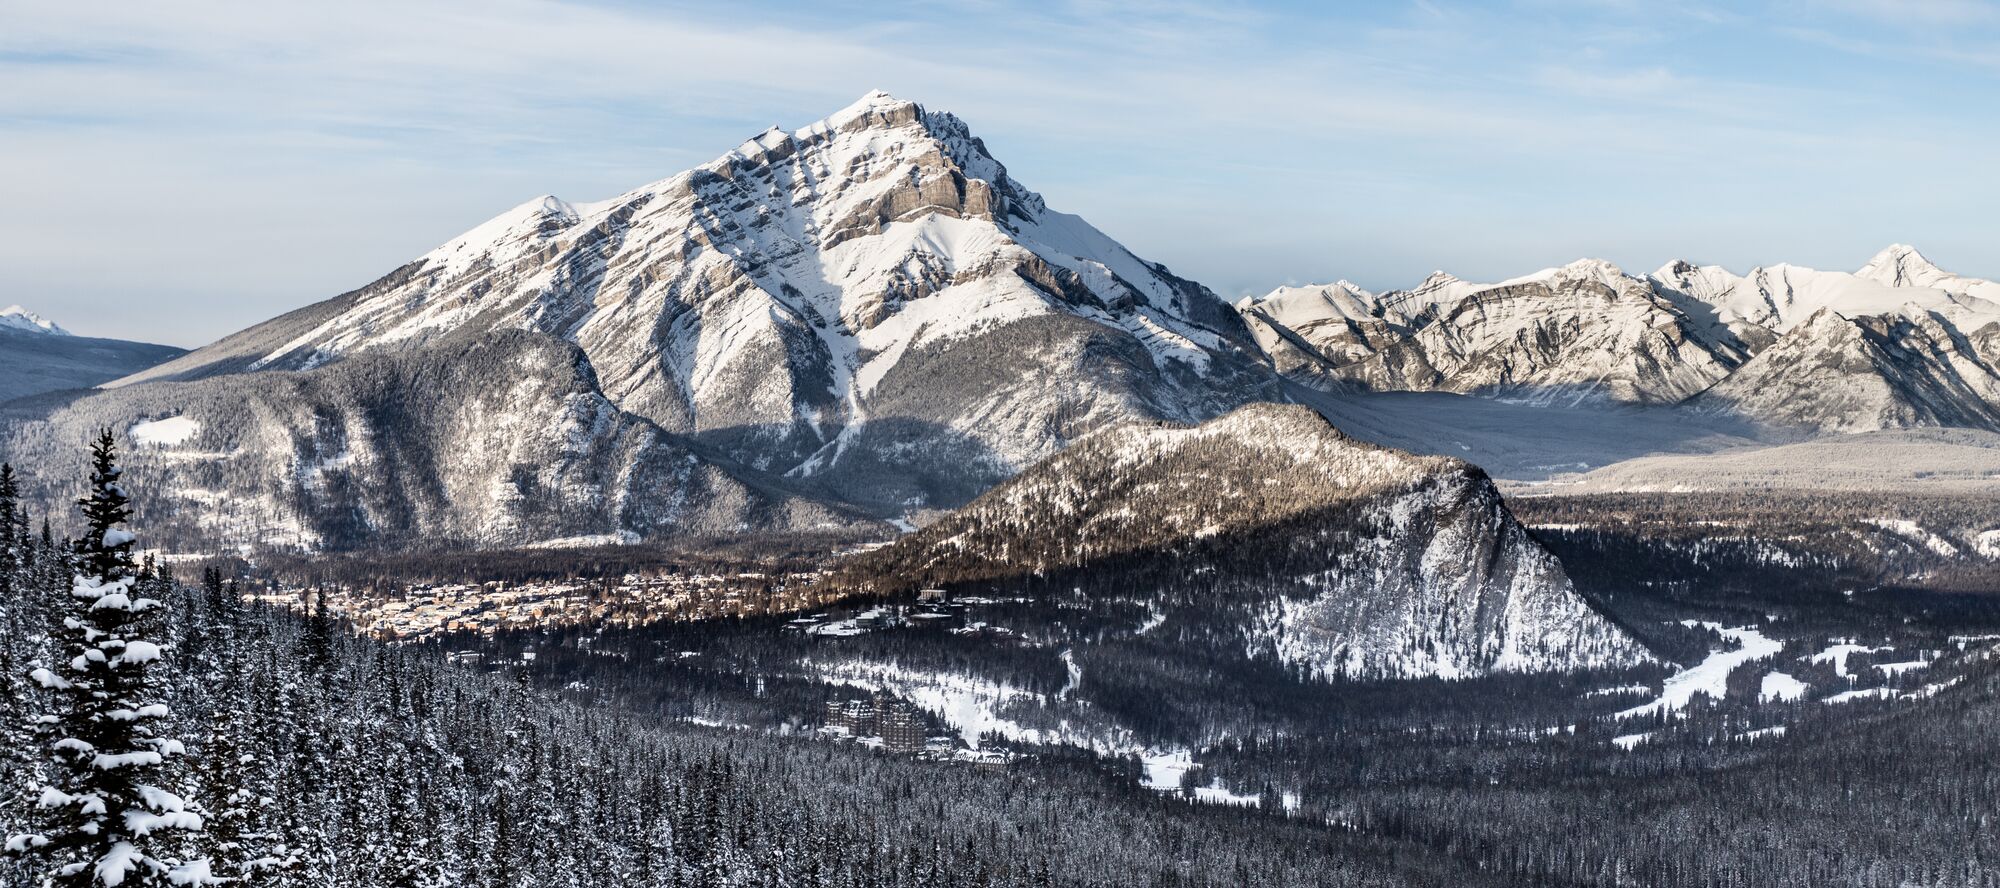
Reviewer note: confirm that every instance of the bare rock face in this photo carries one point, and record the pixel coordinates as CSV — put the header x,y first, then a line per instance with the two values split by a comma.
x,y
869,306
1334,556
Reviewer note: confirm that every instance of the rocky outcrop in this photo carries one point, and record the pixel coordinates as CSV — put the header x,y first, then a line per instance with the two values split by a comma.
x,y
1332,555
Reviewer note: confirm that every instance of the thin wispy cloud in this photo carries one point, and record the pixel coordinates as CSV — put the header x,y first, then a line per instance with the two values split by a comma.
x,y
234,160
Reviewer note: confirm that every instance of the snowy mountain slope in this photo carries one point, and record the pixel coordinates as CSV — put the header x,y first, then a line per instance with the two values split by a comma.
x,y
1835,374
1897,281
37,356
1580,332
1900,265
489,441
1333,555
1922,353
1301,328
870,304
14,317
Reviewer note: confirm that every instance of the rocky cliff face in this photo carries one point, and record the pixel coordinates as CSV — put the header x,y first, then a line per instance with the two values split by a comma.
x,y
1332,555
870,305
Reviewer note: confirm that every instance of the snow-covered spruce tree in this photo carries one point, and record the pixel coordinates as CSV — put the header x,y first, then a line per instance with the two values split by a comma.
x,y
11,536
101,823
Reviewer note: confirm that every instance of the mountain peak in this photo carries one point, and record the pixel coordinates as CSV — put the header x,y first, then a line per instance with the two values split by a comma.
x,y
1900,265
875,107
1437,279
1601,270
15,317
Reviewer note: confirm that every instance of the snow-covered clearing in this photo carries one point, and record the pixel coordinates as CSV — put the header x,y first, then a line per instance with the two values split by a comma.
x,y
1628,741
1075,675
1711,675
1867,694
1781,687
1917,533
1838,654
1164,769
1987,544
164,432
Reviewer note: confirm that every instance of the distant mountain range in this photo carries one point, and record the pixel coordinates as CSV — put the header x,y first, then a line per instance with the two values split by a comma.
x,y
870,320
37,356
1899,343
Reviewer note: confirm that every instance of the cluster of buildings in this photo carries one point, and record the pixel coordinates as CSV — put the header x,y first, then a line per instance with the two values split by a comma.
x,y
895,722
424,611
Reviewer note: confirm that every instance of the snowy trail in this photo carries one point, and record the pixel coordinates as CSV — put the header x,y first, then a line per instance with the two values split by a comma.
x,y
1075,675
1711,675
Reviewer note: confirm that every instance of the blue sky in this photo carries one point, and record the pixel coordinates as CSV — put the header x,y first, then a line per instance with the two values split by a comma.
x,y
178,171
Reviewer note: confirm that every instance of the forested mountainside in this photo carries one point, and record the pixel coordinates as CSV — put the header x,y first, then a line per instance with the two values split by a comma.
x,y
1899,343
475,442
288,752
1333,556
870,307
291,753
1809,731
36,357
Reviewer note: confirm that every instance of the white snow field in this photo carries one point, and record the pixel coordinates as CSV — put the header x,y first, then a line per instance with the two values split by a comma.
x,y
1711,675
164,432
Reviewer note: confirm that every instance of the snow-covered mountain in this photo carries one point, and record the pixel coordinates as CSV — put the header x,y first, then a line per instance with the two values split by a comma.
x,y
37,356
14,317
1832,373
1337,556
475,442
1581,331
1898,343
870,305
868,312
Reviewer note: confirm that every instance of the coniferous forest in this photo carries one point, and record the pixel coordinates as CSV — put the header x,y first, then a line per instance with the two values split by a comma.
x,y
164,730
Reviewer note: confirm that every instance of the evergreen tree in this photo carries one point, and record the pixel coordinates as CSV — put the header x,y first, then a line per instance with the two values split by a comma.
x,y
103,824
11,541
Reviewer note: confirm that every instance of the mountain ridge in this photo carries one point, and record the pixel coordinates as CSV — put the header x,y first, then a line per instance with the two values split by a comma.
x,y
1591,331
1332,555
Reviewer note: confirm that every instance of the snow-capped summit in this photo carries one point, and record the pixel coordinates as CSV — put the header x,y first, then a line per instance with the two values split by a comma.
x,y
869,304
1597,271
1900,265
14,317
